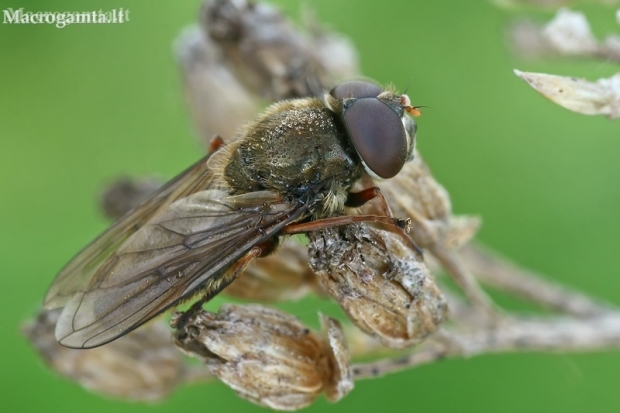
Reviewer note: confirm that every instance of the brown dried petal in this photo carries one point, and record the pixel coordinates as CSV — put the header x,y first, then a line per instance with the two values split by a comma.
x,y
266,356
143,365
379,282
340,381
461,229
284,275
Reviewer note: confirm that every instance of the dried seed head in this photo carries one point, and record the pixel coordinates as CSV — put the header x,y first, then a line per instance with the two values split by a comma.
x,y
143,365
379,282
277,277
272,57
267,356
263,48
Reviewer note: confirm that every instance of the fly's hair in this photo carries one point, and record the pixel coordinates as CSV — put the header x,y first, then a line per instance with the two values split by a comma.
x,y
334,201
283,106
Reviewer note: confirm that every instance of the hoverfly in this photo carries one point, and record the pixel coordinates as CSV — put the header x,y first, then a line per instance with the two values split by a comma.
x,y
289,171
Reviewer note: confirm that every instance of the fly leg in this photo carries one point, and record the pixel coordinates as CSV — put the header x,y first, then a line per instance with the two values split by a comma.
x,y
356,199
324,223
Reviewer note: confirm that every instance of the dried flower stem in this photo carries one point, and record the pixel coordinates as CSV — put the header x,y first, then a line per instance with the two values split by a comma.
x,y
451,262
498,272
557,334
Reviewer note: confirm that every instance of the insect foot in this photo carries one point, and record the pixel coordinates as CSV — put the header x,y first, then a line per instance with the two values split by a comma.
x,y
379,282
268,357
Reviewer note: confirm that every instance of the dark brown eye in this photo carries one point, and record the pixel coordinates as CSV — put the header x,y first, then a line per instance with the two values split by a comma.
x,y
377,134
356,89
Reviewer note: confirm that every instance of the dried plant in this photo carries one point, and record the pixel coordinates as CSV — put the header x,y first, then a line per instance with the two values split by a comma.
x,y
569,35
268,356
389,283
589,98
383,286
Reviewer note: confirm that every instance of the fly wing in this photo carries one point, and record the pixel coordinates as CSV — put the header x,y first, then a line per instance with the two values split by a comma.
x,y
189,245
79,271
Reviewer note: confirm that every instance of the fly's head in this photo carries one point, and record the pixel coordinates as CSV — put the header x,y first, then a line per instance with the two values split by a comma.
x,y
377,124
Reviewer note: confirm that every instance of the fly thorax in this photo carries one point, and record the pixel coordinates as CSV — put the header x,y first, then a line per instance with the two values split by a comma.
x,y
300,145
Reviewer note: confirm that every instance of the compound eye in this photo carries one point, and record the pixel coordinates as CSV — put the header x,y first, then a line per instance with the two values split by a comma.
x,y
356,89
378,135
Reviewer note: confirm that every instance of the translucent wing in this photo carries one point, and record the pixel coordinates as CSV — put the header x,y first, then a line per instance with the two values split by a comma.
x,y
79,271
186,247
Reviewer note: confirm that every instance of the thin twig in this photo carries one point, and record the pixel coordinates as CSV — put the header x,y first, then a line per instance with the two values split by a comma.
x,y
497,272
524,335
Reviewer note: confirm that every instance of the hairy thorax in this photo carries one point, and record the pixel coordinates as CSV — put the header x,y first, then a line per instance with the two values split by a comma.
x,y
295,147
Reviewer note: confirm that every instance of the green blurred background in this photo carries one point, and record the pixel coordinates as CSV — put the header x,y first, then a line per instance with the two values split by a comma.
x,y
87,103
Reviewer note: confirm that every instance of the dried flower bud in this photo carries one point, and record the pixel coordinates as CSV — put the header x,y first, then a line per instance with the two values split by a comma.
x,y
382,285
589,98
219,103
143,365
266,53
270,56
277,277
414,193
267,356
